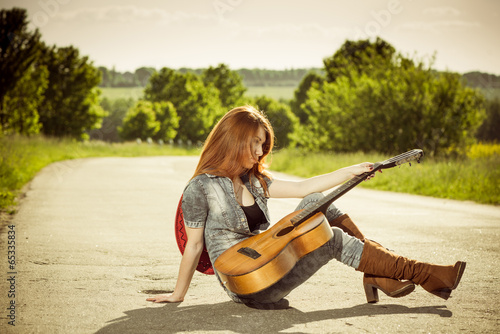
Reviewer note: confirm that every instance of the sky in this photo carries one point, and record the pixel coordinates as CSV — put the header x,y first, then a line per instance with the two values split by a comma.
x,y
455,35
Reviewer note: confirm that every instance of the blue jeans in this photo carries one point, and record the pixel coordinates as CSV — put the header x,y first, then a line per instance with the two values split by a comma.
x,y
341,247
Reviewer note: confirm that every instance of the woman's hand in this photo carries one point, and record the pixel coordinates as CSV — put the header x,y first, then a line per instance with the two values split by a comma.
x,y
361,168
165,299
189,261
364,167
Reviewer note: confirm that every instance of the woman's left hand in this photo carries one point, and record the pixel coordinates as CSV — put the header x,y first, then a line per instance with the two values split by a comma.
x,y
364,167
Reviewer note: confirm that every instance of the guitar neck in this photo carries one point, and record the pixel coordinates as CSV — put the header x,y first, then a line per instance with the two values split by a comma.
x,y
324,203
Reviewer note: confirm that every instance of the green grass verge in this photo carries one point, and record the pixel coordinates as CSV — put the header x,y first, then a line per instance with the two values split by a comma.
x,y
476,179
21,158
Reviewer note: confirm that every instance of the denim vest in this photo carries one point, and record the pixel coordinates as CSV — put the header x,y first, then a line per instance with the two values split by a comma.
x,y
209,202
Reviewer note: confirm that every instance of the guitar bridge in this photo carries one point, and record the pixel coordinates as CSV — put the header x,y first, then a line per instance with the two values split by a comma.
x,y
250,252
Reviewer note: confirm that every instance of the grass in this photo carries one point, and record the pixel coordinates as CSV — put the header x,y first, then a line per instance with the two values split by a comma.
x,y
475,178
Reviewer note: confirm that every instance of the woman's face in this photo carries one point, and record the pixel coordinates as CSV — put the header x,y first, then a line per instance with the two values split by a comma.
x,y
256,151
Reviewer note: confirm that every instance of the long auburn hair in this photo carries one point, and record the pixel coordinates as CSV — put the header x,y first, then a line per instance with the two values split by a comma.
x,y
228,144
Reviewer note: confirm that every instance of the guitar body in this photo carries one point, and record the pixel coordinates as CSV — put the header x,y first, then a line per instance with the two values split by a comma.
x,y
262,260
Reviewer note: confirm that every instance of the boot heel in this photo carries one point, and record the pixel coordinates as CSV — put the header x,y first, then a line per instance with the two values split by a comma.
x,y
371,293
442,293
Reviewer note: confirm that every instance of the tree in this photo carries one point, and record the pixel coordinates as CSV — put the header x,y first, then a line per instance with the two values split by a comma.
x,y
300,94
169,120
488,131
22,102
228,83
116,111
143,74
105,77
197,105
71,104
282,119
392,108
360,56
162,86
140,122
19,48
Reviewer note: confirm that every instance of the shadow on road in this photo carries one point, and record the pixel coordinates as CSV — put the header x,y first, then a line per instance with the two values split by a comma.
x,y
229,316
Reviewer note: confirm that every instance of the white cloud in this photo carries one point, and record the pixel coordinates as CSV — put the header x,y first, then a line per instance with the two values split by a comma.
x,y
441,11
304,30
130,14
437,26
285,30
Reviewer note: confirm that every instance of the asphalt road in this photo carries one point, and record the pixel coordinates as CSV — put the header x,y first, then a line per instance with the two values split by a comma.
x,y
94,238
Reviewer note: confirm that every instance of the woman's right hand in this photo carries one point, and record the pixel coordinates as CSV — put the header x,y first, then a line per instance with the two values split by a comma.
x,y
189,261
165,299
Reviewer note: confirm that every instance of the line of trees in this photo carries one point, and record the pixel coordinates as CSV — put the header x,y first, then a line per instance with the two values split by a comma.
x,y
367,97
488,83
391,65
256,77
113,78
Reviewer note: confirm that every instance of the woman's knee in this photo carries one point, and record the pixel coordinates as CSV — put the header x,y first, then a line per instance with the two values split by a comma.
x,y
331,213
309,200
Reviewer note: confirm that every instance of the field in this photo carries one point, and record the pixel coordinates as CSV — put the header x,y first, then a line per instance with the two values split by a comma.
x,y
113,93
275,92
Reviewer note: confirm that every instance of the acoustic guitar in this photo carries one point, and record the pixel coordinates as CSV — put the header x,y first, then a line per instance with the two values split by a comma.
x,y
261,261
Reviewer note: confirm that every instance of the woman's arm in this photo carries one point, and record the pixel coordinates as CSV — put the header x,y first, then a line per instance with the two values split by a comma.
x,y
190,258
300,189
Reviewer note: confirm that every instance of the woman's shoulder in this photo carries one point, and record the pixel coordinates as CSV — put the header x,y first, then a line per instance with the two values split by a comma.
x,y
200,180
205,177
201,185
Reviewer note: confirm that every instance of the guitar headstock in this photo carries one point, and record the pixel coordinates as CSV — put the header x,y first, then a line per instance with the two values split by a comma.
x,y
398,160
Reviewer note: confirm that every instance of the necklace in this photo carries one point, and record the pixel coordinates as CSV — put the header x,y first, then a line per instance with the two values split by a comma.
x,y
238,187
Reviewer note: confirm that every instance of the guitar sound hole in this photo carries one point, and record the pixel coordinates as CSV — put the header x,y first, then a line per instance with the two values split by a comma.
x,y
285,231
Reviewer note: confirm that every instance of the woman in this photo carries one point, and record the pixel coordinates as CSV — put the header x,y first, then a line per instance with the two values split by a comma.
x,y
226,202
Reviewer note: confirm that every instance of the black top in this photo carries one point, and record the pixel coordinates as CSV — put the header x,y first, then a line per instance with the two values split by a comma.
x,y
254,214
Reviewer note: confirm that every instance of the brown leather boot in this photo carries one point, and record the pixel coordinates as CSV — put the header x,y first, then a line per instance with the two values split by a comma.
x,y
391,287
346,224
436,279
